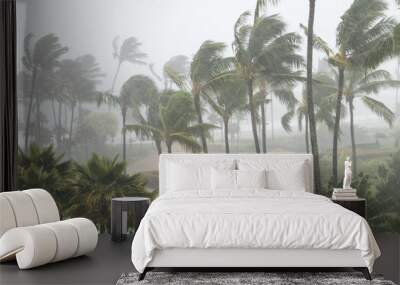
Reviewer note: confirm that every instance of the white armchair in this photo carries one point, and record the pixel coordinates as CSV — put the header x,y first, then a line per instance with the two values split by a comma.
x,y
31,230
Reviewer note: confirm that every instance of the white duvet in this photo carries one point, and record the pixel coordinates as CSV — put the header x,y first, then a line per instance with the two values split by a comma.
x,y
250,219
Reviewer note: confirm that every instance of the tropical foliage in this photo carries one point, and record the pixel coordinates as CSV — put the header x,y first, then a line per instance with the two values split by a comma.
x,y
98,181
79,190
173,124
42,168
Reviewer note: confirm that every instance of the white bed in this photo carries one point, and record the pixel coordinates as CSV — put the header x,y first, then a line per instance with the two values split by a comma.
x,y
284,225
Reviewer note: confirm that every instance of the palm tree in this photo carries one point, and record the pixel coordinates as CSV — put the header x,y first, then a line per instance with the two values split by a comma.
x,y
44,56
129,51
137,90
359,34
176,113
207,68
360,85
310,98
99,180
263,50
230,97
79,78
264,96
324,106
42,168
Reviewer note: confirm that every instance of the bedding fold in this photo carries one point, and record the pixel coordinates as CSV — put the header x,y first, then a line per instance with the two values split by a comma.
x,y
252,218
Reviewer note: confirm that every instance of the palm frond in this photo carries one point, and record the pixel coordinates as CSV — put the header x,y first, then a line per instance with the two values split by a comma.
x,y
286,97
286,119
318,42
261,5
108,98
27,58
130,51
375,75
144,130
187,141
208,55
178,79
265,30
375,86
379,109
201,127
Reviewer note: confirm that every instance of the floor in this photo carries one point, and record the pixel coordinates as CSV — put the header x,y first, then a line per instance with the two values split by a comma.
x,y
110,260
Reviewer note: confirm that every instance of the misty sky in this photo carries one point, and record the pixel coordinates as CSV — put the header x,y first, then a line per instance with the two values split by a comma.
x,y
166,28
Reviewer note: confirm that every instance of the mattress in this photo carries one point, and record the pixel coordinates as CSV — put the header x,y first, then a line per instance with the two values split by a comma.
x,y
250,219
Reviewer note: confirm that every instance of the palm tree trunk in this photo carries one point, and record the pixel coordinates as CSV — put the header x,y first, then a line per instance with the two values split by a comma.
x,y
307,136
263,128
66,116
115,76
80,111
238,134
222,131
28,117
337,127
59,125
310,99
70,129
53,108
353,141
123,135
169,146
272,120
232,134
226,132
200,121
253,115
38,103
157,141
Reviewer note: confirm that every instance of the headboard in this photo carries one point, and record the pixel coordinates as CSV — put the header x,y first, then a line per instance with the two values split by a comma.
x,y
164,159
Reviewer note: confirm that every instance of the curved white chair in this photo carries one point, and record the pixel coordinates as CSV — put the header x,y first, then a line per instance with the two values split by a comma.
x,y
31,230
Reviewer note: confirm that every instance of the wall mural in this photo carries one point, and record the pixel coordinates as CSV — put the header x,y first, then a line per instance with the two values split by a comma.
x,y
96,109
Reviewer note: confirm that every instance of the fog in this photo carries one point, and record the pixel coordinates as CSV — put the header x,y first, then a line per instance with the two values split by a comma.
x,y
167,28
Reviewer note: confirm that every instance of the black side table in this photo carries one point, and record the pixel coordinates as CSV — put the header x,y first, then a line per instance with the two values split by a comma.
x,y
119,215
357,205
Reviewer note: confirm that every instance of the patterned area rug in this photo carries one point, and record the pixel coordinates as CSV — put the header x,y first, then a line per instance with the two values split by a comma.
x,y
244,278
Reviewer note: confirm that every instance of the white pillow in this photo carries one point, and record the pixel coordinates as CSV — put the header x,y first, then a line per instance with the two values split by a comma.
x,y
251,178
223,179
294,179
181,177
282,174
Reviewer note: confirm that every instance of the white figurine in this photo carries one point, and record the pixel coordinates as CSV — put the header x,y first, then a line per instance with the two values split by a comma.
x,y
347,174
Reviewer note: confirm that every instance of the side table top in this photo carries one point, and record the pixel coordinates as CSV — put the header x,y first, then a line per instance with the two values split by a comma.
x,y
130,199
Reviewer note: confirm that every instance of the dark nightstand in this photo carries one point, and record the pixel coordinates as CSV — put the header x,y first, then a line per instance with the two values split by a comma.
x,y
119,214
357,205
